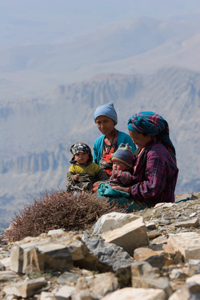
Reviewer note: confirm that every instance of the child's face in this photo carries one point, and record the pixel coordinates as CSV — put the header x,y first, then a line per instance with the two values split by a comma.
x,y
119,166
81,158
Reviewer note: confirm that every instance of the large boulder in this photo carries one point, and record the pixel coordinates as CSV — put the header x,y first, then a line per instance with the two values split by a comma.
x,y
130,236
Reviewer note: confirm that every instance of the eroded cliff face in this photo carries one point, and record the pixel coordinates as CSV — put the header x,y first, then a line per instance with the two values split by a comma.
x,y
35,162
37,133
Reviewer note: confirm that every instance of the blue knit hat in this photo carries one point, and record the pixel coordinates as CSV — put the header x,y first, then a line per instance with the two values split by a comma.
x,y
106,110
124,154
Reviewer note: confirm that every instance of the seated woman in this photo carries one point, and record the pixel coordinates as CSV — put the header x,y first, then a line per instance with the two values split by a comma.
x,y
155,171
105,118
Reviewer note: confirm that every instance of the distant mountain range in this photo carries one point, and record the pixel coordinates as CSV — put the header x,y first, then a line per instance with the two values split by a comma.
x,y
37,132
133,46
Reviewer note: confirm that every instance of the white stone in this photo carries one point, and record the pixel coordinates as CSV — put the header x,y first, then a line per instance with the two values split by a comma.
x,y
189,291
129,236
81,295
181,294
57,232
176,273
97,285
16,256
47,296
65,292
7,275
99,290
76,247
10,297
54,256
188,243
189,223
150,225
136,294
19,251
164,204
112,221
38,255
25,288
30,261
6,262
161,283
195,279
193,214
50,247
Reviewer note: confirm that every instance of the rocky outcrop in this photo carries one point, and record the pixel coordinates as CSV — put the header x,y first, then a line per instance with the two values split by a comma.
x,y
164,263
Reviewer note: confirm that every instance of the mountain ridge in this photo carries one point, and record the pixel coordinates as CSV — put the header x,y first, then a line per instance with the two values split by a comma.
x,y
140,45
38,133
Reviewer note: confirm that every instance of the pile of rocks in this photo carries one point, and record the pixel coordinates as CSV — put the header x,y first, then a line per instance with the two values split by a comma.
x,y
152,254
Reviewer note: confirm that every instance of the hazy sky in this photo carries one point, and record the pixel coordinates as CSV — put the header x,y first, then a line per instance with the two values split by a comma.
x,y
20,18
44,43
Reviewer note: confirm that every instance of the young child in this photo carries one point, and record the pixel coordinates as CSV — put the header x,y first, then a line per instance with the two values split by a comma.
x,y
83,171
122,170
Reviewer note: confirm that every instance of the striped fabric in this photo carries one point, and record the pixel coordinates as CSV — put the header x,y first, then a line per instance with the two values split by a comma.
x,y
155,175
122,178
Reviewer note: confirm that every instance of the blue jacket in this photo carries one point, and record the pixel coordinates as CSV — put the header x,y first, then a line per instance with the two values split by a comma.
x,y
98,144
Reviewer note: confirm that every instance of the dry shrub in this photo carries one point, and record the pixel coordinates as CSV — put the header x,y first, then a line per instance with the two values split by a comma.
x,y
56,210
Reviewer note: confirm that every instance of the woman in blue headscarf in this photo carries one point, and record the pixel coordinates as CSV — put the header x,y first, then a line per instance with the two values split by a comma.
x,y
155,171
105,117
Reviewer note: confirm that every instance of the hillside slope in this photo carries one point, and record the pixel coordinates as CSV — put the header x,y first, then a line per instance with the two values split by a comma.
x,y
38,133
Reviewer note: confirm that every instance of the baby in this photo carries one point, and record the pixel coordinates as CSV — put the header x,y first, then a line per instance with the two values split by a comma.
x,y
122,170
83,171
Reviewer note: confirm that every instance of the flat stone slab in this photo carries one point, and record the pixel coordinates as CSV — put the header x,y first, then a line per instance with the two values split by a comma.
x,y
64,292
193,267
159,240
136,294
46,296
189,223
5,262
56,232
97,285
171,256
164,205
153,234
129,237
194,278
112,221
150,225
188,243
25,288
7,275
157,283
189,291
54,256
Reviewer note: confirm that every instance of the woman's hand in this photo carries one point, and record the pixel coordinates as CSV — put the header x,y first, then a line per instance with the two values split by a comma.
x,y
120,188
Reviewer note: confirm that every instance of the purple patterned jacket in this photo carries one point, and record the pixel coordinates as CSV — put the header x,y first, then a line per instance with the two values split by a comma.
x,y
155,175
